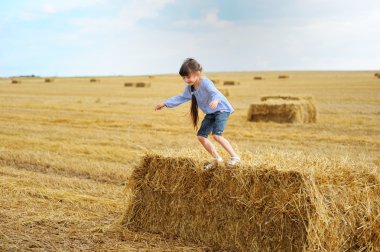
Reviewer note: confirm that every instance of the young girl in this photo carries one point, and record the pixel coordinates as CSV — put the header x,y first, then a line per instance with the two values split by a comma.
x,y
203,94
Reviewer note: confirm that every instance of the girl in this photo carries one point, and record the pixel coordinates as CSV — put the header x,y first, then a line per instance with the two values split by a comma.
x,y
203,94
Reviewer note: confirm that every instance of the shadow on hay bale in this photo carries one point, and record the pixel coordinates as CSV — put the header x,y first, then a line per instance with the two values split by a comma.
x,y
231,83
16,81
225,92
283,109
255,208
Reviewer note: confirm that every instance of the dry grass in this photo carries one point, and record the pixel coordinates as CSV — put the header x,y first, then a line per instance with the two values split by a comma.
x,y
67,151
225,92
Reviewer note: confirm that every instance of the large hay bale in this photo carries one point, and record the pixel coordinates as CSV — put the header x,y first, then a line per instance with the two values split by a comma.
x,y
283,76
128,84
258,78
225,92
302,111
16,81
142,84
255,208
231,83
48,80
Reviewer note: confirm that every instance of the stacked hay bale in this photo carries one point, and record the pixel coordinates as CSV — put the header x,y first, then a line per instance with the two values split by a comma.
x,y
225,92
231,83
255,208
283,76
283,109
48,80
13,81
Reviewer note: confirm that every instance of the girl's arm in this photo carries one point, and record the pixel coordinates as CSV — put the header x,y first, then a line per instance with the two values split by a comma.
x,y
179,99
214,93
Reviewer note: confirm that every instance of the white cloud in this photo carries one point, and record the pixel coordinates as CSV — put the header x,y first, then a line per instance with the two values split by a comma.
x,y
129,15
211,20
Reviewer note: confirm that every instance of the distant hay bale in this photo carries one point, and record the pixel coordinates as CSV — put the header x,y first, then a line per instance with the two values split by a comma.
x,y
215,81
142,84
16,81
151,77
48,80
225,92
230,83
284,111
283,76
257,78
255,208
94,80
377,75
293,98
128,84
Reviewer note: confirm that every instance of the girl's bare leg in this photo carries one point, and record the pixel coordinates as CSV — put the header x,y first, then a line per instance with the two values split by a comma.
x,y
225,144
208,146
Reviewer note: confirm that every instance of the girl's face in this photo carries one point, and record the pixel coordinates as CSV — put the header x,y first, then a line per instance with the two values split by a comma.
x,y
192,78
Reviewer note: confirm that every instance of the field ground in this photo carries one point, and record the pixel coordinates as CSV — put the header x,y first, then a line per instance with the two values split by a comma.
x,y
68,147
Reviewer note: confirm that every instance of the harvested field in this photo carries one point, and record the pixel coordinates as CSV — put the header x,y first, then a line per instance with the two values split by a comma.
x,y
225,92
67,152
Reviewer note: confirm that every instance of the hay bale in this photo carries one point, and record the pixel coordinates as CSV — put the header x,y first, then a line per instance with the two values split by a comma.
x,y
215,81
255,208
230,83
283,76
94,80
225,92
128,84
151,77
258,78
280,97
377,75
302,111
48,80
16,81
142,84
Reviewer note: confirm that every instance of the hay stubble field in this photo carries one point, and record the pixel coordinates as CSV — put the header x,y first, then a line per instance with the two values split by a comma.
x,y
68,147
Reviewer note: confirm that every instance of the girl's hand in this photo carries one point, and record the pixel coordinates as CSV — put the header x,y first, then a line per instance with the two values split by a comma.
x,y
159,106
213,104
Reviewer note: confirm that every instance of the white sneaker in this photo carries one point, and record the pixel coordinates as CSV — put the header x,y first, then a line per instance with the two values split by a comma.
x,y
213,163
233,161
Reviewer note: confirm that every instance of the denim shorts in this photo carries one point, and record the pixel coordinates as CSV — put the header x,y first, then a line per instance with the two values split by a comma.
x,y
215,123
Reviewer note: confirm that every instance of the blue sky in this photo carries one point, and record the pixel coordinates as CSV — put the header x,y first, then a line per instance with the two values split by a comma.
x,y
135,37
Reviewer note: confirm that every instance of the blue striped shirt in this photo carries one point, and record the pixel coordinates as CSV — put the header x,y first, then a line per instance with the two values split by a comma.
x,y
205,93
